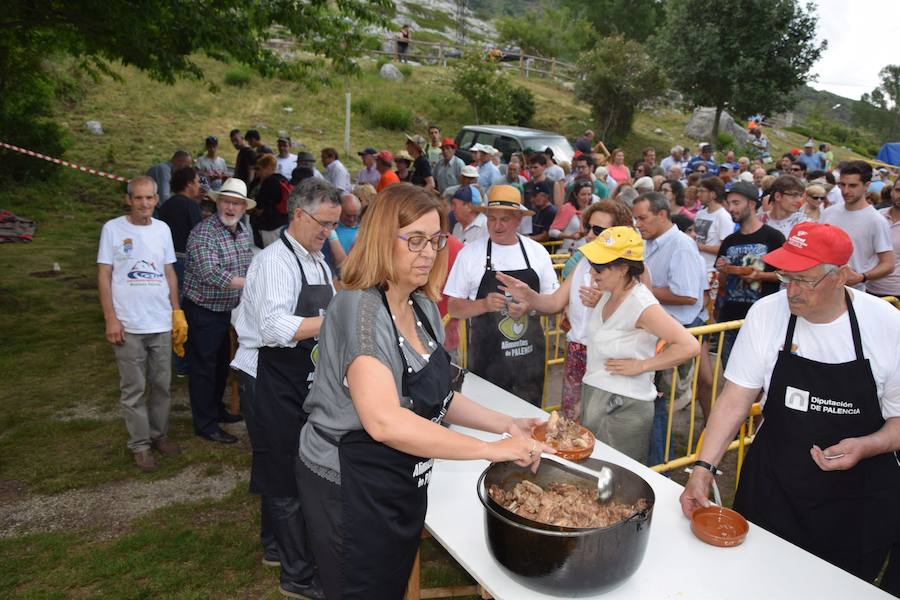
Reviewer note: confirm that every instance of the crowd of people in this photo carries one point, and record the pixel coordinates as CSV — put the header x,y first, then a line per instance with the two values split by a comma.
x,y
346,292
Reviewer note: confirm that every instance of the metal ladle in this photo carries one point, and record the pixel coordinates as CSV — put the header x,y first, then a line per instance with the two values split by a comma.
x,y
604,476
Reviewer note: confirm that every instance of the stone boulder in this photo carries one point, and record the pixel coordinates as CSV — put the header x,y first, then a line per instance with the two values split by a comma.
x,y
94,127
390,72
700,126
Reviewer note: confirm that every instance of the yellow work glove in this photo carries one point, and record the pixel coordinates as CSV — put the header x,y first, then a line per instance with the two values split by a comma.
x,y
179,332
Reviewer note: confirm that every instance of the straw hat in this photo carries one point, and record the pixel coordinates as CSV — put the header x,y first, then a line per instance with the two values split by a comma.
x,y
504,197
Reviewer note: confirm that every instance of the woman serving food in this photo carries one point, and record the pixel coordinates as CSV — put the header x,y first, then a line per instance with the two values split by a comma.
x,y
381,393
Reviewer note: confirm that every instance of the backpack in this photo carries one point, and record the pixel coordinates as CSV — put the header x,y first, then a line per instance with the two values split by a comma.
x,y
286,189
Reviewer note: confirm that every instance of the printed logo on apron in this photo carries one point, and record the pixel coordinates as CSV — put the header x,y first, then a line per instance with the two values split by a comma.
x,y
796,399
513,329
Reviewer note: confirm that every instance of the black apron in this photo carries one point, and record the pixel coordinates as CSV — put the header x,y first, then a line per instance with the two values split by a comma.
x,y
508,352
283,379
836,515
385,491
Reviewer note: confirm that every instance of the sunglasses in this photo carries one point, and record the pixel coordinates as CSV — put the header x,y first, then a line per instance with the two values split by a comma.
x,y
601,268
817,197
797,169
597,230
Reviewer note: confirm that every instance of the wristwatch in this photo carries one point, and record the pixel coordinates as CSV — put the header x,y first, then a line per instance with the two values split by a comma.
x,y
705,465
865,278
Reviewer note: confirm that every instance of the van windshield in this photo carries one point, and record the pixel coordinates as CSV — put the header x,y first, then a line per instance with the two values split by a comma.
x,y
562,149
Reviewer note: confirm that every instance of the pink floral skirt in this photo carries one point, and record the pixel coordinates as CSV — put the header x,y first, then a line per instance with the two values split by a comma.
x,y
573,373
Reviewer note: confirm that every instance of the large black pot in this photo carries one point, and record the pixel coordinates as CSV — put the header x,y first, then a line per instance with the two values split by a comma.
x,y
561,560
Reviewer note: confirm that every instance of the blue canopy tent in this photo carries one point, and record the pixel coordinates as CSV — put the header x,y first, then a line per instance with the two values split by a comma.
x,y
890,154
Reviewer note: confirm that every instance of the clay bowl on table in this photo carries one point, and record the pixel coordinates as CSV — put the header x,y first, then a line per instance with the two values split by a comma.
x,y
738,270
719,526
539,432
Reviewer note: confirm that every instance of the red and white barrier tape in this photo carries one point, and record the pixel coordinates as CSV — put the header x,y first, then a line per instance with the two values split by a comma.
x,y
64,163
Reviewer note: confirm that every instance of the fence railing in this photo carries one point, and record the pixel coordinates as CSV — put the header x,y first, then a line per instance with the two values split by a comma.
x,y
525,65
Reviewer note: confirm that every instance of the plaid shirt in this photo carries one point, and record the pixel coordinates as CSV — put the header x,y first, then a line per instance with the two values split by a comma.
x,y
215,255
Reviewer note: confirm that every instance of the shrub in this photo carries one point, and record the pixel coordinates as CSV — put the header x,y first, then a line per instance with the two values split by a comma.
x,y
406,70
382,60
491,95
361,106
390,116
237,76
521,105
724,140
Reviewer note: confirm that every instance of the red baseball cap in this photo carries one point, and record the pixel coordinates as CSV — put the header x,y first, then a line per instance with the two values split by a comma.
x,y
385,156
448,142
810,244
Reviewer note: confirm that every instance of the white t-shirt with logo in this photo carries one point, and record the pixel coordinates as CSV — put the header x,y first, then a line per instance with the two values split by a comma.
x,y
762,336
138,255
710,229
468,269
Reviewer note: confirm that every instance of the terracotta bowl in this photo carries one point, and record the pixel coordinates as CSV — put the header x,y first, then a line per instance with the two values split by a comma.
x,y
539,433
737,270
719,526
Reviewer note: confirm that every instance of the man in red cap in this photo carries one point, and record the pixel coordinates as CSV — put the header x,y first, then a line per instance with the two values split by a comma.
x,y
384,160
447,167
822,472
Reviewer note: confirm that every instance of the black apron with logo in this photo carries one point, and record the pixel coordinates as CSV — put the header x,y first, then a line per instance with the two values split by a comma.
x,y
385,491
836,515
508,352
283,379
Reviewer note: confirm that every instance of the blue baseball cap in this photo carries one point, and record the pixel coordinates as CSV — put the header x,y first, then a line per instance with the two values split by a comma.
x,y
468,193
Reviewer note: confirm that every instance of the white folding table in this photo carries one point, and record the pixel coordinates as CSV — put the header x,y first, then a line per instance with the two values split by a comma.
x,y
676,565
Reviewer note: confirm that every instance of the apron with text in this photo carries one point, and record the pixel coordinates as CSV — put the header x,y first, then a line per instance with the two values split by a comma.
x,y
385,491
508,352
283,379
836,515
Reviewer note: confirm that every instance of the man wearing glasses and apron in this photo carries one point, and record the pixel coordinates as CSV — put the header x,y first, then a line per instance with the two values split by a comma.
x,y
506,339
822,472
287,291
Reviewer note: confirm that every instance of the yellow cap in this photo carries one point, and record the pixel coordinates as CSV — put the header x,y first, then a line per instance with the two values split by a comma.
x,y
613,243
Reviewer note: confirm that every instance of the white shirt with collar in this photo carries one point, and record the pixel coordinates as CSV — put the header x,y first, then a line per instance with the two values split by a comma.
x,y
473,231
338,176
265,315
672,259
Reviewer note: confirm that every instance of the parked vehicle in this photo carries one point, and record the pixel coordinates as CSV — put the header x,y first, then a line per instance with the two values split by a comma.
x,y
510,139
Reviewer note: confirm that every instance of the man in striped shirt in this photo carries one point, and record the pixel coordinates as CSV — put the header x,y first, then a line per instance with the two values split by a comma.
x,y
282,308
218,255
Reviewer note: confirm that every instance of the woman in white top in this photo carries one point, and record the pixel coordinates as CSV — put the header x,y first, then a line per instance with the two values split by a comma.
x,y
577,297
618,391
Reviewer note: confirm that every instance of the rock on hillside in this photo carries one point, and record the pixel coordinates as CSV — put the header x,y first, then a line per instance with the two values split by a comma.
x,y
700,126
439,16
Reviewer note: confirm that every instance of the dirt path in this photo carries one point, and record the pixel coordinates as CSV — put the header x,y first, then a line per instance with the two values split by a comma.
x,y
112,505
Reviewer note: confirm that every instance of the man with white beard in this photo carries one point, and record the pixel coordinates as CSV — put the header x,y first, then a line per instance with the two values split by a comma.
x,y
218,255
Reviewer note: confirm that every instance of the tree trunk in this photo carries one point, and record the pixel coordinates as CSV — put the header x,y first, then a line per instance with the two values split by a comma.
x,y
715,132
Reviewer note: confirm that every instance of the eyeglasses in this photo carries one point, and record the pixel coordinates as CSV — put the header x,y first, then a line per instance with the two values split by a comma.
x,y
601,268
324,225
799,282
417,243
597,230
797,169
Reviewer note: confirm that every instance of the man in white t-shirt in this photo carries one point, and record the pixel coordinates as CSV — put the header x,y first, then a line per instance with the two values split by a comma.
x,y
287,161
139,295
470,223
506,340
211,166
821,472
713,223
873,252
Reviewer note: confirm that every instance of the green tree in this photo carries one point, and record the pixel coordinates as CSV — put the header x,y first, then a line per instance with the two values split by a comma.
x,y
753,54
619,75
887,95
539,33
632,19
493,97
160,37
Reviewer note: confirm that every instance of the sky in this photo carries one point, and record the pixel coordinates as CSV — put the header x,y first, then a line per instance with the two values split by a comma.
x,y
862,39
